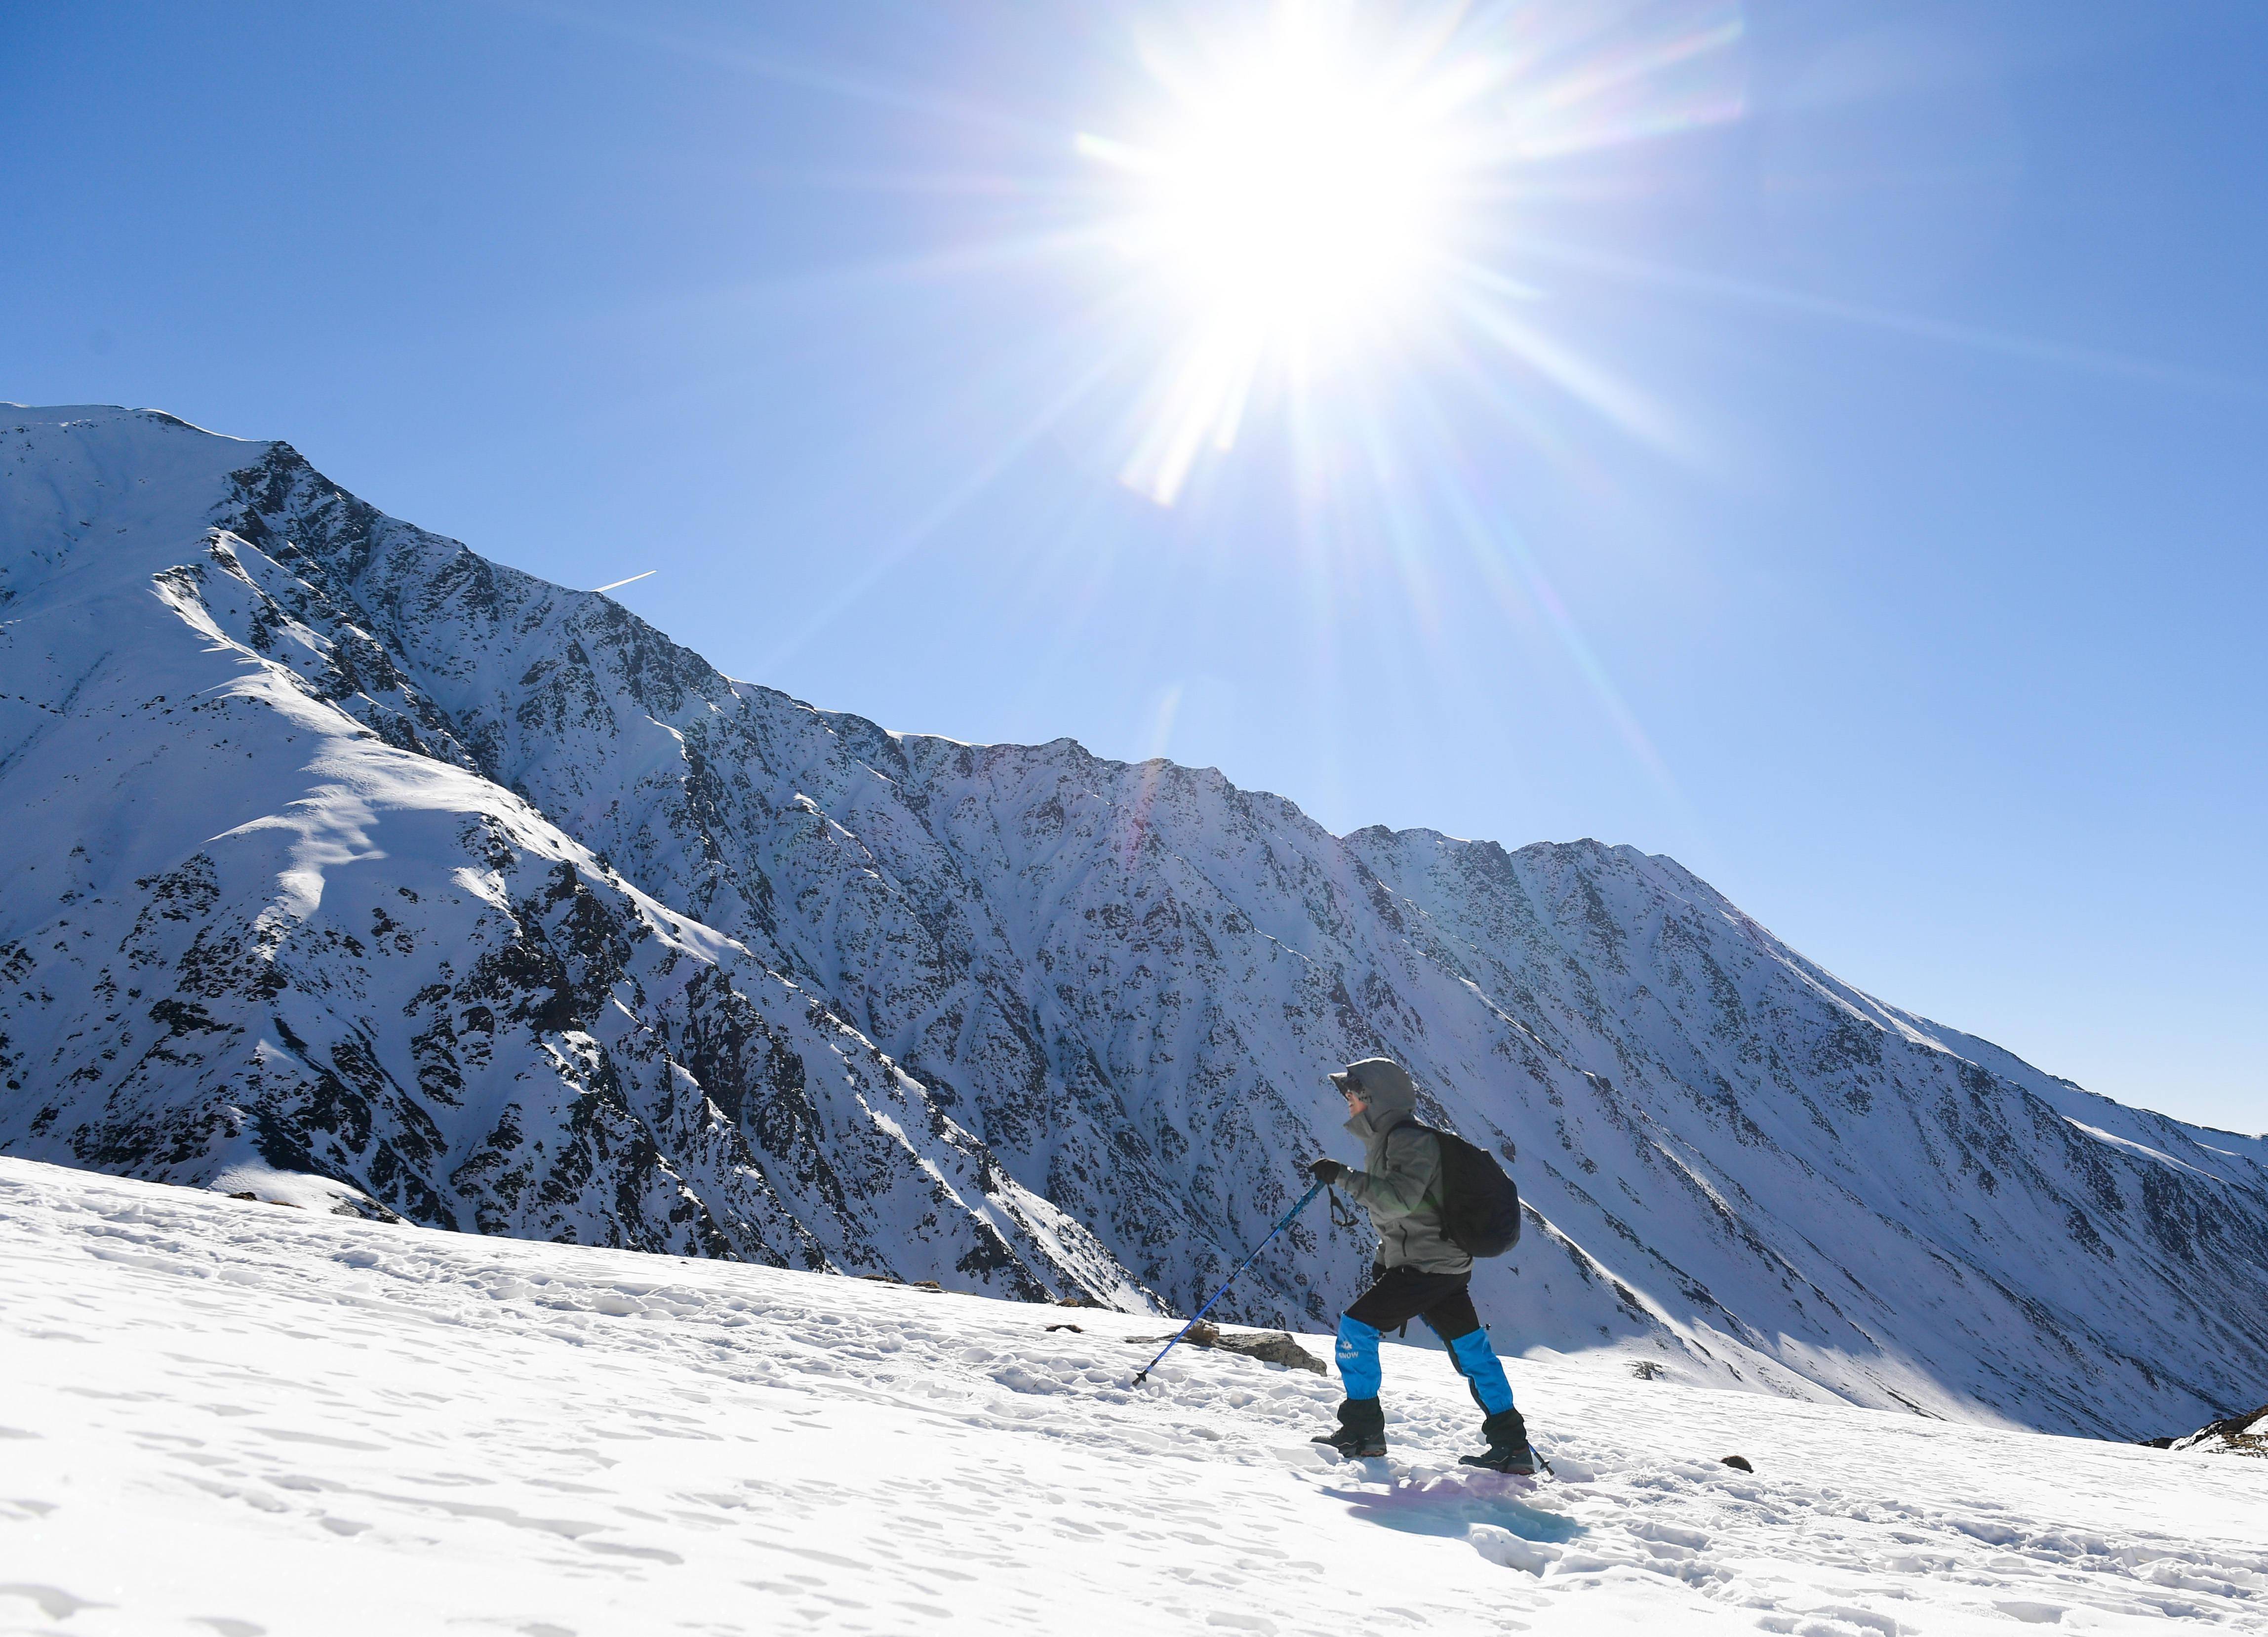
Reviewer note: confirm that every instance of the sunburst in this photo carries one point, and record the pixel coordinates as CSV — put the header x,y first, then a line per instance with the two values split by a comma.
x,y
1328,184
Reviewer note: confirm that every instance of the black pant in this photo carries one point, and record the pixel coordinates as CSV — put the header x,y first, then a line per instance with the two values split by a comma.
x,y
1398,1295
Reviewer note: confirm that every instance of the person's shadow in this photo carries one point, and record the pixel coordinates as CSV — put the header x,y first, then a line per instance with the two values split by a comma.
x,y
1446,1504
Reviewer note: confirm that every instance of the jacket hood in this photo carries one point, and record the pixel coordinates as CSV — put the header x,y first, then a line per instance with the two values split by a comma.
x,y
1386,1086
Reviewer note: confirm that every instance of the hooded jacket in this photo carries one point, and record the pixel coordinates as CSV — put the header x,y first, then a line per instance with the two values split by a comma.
x,y
1400,1183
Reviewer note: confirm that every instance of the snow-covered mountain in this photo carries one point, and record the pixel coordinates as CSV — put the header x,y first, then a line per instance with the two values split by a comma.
x,y
334,848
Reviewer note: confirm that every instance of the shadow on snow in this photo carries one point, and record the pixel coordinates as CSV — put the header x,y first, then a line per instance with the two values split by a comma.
x,y
1450,1505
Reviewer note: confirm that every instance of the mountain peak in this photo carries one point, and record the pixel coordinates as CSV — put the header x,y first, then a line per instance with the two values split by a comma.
x,y
334,848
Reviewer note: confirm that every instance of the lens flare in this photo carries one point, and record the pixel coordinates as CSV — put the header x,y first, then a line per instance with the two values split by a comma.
x,y
1333,184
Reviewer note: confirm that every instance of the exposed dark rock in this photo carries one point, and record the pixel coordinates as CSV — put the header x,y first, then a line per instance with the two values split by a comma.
x,y
2232,1435
1273,1346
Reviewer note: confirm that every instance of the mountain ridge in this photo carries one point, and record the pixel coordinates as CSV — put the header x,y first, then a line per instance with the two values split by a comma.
x,y
1072,1013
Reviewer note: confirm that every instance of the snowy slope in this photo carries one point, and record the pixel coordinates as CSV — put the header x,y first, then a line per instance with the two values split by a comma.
x,y
693,966
237,1417
262,913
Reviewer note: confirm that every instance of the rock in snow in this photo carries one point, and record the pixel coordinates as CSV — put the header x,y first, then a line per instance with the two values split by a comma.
x,y
226,1416
2234,1434
337,852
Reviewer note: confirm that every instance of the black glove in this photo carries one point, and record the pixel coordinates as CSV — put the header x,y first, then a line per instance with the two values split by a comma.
x,y
1328,1170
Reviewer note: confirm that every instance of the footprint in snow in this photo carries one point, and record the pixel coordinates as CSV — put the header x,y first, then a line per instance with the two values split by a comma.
x,y
53,1600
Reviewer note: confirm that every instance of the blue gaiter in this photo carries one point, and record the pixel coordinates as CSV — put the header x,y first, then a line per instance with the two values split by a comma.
x,y
1358,1355
1476,1360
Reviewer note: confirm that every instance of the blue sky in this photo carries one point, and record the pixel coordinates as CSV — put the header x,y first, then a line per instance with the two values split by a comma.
x,y
1869,516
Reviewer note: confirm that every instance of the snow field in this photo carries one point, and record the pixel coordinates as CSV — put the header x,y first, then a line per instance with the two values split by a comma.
x,y
234,1417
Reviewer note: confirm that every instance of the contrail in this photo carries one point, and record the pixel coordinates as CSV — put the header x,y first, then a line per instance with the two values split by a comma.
x,y
595,590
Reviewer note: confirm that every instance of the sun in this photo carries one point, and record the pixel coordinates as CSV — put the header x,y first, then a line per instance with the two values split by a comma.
x,y
1293,191
1290,202
1321,189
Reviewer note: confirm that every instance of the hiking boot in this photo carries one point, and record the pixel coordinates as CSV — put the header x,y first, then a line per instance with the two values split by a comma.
x,y
1508,1451
1361,1430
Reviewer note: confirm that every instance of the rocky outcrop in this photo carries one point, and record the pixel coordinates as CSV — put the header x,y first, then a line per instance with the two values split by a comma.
x,y
2233,1434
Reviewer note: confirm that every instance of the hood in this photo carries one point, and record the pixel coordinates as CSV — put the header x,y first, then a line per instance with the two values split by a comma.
x,y
1386,1086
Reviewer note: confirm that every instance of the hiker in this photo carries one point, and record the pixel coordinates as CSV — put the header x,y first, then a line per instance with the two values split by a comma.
x,y
1419,1273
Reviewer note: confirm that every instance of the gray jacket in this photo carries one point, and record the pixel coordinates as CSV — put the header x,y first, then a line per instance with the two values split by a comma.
x,y
1401,1179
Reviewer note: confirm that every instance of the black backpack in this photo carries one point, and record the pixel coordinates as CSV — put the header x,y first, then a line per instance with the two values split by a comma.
x,y
1480,1205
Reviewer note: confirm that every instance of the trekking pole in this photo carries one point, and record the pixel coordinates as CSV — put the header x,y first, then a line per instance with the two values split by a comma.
x,y
1284,1223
